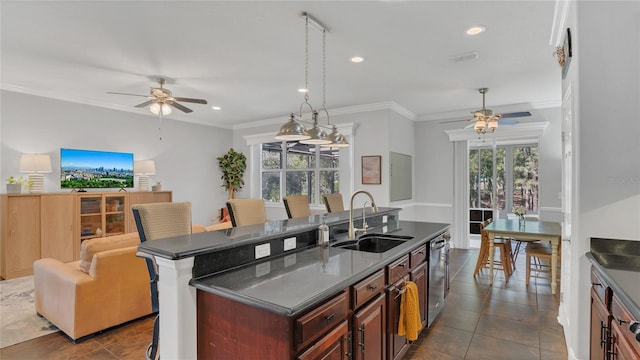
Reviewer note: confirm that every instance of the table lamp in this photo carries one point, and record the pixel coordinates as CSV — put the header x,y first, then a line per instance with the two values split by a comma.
x,y
144,168
35,165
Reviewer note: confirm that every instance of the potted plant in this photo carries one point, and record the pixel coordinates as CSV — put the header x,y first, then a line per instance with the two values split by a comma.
x,y
14,185
233,165
157,186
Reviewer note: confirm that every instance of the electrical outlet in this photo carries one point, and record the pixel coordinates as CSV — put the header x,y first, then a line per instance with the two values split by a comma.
x,y
289,243
263,250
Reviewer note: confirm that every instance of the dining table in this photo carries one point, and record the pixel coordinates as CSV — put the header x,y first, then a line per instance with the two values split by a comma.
x,y
530,231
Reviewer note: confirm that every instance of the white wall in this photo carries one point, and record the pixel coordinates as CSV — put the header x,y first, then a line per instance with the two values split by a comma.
x,y
605,80
185,158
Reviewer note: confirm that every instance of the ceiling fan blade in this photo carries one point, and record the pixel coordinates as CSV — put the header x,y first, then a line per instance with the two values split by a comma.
x,y
507,122
145,103
119,93
454,121
198,101
516,114
179,107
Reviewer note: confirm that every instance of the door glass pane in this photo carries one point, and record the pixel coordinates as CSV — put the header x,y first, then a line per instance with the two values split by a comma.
x,y
473,179
485,183
525,178
271,186
500,179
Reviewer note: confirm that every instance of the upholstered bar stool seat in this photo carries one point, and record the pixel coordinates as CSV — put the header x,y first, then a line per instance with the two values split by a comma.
x,y
333,202
246,211
297,206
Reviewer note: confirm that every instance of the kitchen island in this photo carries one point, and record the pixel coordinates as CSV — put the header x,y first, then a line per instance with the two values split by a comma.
x,y
286,284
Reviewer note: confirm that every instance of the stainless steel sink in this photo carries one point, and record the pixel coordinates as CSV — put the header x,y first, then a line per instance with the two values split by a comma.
x,y
374,243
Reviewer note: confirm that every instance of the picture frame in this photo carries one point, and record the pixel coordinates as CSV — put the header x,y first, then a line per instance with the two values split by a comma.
x,y
567,51
371,170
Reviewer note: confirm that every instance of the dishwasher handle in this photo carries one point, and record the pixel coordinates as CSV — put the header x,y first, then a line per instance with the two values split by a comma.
x,y
438,244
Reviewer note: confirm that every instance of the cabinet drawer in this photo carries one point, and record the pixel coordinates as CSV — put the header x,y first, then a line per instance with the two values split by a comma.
x,y
418,256
623,318
601,289
398,269
318,321
367,288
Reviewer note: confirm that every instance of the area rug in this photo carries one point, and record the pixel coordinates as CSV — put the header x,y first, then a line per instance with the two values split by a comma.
x,y
18,319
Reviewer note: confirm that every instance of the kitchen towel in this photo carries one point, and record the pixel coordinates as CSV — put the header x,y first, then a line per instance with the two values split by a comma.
x,y
409,322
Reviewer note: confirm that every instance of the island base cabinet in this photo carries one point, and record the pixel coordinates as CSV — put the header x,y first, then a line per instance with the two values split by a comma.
x,y
397,345
227,329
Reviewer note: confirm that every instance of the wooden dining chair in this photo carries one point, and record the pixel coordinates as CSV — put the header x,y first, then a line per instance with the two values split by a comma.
x,y
539,261
505,262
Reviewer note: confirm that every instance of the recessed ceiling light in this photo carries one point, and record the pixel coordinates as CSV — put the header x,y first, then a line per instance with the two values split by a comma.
x,y
303,90
475,30
357,59
216,107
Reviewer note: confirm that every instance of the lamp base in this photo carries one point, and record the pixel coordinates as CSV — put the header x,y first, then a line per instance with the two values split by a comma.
x,y
36,183
143,183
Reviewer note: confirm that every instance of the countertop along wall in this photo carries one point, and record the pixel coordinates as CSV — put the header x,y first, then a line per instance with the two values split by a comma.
x,y
185,158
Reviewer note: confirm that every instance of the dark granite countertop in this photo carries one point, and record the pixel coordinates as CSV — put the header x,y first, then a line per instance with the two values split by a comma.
x,y
291,284
180,247
618,261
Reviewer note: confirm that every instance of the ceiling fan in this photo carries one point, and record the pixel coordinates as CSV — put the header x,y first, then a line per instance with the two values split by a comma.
x,y
161,100
486,121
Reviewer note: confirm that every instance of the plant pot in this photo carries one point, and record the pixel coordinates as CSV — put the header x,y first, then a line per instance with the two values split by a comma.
x,y
14,188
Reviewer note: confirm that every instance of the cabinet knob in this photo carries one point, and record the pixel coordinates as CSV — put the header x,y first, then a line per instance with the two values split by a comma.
x,y
329,317
372,288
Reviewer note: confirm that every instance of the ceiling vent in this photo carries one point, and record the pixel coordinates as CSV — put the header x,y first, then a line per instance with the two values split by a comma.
x,y
472,55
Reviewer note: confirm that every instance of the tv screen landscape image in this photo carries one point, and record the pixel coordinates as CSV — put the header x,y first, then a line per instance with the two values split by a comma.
x,y
84,169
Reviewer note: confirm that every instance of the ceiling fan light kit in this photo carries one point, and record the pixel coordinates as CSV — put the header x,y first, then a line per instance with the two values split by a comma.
x,y
294,130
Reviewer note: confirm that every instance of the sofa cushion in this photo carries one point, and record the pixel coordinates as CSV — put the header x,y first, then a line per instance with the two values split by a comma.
x,y
96,245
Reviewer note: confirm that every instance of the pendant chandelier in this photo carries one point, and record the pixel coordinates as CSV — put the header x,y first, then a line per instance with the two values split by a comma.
x,y
294,130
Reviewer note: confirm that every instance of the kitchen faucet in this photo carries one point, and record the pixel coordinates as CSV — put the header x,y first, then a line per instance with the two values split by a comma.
x,y
352,229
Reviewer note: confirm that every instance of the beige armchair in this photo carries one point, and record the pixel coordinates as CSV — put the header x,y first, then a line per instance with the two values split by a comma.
x,y
108,286
297,206
246,211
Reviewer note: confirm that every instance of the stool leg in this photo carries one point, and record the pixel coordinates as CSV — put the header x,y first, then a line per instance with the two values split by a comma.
x,y
528,269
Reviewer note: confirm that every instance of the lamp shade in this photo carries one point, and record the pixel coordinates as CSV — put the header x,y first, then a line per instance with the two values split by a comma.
x,y
292,131
35,163
144,167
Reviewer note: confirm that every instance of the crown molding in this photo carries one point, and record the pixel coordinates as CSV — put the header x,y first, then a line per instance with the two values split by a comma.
x,y
387,105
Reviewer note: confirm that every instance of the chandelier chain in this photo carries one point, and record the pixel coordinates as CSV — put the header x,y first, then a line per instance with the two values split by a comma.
x,y
306,59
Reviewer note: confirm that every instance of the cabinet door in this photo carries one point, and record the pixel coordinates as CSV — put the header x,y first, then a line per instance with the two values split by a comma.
x,y
56,240
620,347
369,329
396,345
333,346
21,245
114,215
600,320
420,277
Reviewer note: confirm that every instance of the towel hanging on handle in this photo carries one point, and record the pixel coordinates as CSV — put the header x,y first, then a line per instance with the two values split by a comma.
x,y
409,322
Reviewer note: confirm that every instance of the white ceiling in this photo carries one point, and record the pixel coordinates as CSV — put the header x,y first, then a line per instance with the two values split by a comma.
x,y
248,57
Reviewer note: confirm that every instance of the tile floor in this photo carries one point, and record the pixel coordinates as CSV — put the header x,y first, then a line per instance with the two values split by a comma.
x,y
506,321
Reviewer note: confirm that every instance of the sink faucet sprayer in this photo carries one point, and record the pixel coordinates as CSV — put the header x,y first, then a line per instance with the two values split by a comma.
x,y
352,229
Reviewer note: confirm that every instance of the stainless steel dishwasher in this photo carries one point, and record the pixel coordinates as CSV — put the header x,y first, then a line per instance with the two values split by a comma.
x,y
438,275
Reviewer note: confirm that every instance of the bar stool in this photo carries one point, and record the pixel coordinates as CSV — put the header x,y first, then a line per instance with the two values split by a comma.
x,y
246,211
506,255
333,202
297,206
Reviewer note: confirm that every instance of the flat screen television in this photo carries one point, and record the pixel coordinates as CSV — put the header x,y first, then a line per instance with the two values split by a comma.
x,y
86,169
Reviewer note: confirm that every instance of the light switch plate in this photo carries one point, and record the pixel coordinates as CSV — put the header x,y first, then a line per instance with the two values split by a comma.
x,y
263,250
384,219
289,243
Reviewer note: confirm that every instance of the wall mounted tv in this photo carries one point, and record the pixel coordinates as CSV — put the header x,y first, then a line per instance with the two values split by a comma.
x,y
85,169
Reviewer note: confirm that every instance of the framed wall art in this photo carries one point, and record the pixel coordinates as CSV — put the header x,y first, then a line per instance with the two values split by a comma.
x,y
371,170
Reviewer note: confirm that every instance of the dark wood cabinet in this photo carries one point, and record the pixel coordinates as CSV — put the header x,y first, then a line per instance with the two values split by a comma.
x,y
333,346
369,329
624,345
600,321
397,345
419,276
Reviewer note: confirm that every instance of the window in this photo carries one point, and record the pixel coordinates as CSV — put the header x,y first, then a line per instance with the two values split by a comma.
x,y
515,178
291,168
